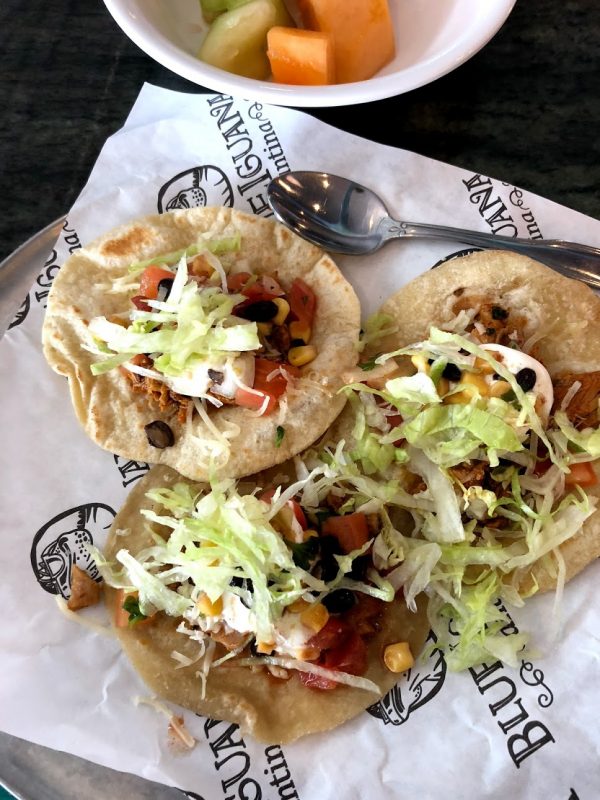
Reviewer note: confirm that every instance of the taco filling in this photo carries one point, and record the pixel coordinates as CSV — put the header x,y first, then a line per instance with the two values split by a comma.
x,y
198,335
204,339
504,452
282,580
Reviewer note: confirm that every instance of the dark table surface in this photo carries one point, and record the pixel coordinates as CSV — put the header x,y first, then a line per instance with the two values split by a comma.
x,y
525,109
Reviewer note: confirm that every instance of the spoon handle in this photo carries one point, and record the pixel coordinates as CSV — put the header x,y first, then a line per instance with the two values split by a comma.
x,y
574,260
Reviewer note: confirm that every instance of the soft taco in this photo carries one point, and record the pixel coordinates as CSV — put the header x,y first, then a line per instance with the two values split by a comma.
x,y
484,397
204,339
265,602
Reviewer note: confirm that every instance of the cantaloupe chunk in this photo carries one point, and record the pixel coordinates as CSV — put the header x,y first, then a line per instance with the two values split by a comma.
x,y
300,57
361,30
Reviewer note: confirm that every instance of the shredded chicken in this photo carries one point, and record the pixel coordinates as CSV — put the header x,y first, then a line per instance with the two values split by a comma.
x,y
582,411
280,339
85,591
469,473
365,616
334,501
231,640
158,392
492,324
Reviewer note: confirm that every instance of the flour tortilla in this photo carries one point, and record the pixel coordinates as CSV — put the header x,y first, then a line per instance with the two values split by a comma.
x,y
114,416
567,311
271,710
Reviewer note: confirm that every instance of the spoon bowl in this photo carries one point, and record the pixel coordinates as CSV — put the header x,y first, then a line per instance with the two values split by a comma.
x,y
343,216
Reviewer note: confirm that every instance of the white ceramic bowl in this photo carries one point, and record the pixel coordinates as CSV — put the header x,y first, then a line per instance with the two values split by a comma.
x,y
433,37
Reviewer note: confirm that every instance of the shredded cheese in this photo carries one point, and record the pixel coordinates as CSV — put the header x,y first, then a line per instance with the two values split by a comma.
x,y
305,666
104,630
175,724
570,395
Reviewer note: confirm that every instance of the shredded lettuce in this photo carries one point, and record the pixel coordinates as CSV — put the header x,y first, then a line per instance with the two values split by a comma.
x,y
223,544
469,549
190,328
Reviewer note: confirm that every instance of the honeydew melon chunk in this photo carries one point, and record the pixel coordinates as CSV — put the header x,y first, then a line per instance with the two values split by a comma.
x,y
237,39
212,8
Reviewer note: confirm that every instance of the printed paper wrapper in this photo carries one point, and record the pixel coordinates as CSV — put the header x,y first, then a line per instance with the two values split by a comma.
x,y
492,732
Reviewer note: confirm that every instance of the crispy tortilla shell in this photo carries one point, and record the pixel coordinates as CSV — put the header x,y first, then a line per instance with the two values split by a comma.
x,y
567,311
114,416
270,709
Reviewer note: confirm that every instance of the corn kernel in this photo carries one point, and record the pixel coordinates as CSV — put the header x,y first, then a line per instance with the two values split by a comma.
x,y
308,653
298,606
397,657
420,362
200,267
315,617
265,328
498,388
264,647
299,356
300,330
443,386
308,534
482,365
283,309
206,606
463,397
473,379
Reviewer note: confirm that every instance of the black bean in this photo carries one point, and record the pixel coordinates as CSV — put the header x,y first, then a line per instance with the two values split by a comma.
x,y
261,311
339,601
499,313
159,434
164,287
526,378
451,372
359,567
243,583
330,547
490,331
216,376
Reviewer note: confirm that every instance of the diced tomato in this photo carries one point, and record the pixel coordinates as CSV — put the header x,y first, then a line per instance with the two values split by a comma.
x,y
273,389
150,279
349,656
263,287
581,474
303,301
237,281
351,530
139,301
296,507
316,681
331,634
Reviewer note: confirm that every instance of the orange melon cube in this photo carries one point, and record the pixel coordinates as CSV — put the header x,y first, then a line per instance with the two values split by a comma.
x,y
361,30
300,57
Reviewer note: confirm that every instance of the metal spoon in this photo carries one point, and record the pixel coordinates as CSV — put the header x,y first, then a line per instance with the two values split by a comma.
x,y
342,216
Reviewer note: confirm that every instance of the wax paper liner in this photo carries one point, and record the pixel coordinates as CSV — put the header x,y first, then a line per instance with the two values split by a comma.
x,y
491,732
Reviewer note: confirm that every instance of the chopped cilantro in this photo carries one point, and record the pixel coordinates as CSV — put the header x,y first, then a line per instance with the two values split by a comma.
x,y
367,366
132,606
305,552
279,434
